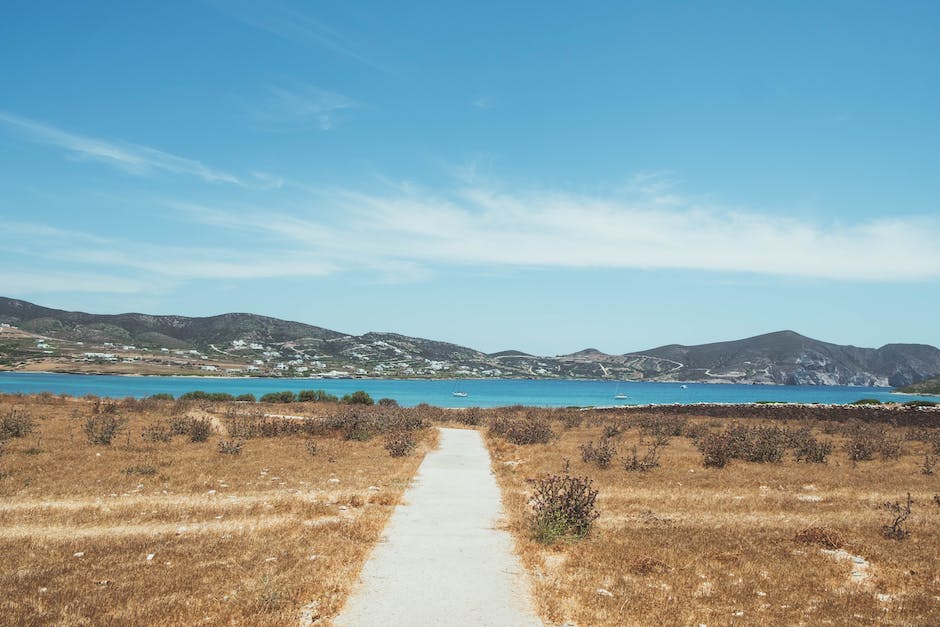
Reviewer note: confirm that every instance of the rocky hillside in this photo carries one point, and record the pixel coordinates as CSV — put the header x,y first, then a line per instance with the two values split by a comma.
x,y
789,358
930,386
252,344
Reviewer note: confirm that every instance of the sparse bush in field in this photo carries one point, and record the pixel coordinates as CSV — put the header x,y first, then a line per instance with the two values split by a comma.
x,y
157,432
246,398
16,423
612,431
161,396
179,425
279,397
662,425
199,395
936,499
716,449
694,430
471,416
929,462
359,428
387,402
900,512
601,455
311,446
103,428
144,470
572,419
359,397
200,429
823,536
319,396
760,444
230,447
866,401
563,507
650,460
807,448
400,444
529,430
867,440
106,407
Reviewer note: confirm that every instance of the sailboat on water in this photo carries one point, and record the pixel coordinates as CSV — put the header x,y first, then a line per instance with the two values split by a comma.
x,y
456,392
619,395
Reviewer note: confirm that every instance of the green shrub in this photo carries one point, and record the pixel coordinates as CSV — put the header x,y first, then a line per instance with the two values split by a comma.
x,y
199,395
563,507
319,396
160,396
246,398
920,404
279,397
359,397
866,401
387,402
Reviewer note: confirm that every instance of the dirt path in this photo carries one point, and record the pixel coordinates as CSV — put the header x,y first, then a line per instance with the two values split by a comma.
x,y
441,561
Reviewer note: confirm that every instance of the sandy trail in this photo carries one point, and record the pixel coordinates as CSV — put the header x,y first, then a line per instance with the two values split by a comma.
x,y
441,560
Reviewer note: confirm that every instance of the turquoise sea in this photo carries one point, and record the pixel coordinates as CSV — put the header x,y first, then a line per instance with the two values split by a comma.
x,y
480,392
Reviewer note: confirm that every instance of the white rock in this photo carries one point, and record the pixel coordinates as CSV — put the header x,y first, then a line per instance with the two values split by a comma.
x,y
604,593
150,556
333,480
211,492
79,554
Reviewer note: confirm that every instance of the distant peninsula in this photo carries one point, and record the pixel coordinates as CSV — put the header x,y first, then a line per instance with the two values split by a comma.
x,y
36,338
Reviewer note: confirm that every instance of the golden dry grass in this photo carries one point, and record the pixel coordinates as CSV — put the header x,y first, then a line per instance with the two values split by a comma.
x,y
177,533
686,545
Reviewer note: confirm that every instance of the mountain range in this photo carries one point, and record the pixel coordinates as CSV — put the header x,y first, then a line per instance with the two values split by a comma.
x,y
36,337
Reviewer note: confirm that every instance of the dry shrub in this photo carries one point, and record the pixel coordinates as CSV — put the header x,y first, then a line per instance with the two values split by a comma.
x,y
612,431
601,455
716,449
311,447
16,423
865,441
200,429
529,430
807,448
650,460
400,444
899,512
646,565
230,447
103,428
472,416
823,536
158,432
656,425
563,507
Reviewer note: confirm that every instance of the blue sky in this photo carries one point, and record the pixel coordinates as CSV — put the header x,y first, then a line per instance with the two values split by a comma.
x,y
537,176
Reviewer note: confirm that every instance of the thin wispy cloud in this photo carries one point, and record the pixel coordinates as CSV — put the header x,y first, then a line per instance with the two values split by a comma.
x,y
301,107
289,23
126,263
483,102
128,157
650,227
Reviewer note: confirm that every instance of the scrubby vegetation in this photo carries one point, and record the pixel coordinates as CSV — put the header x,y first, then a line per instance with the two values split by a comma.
x,y
119,511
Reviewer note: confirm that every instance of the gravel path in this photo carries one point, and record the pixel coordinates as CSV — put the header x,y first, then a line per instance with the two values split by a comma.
x,y
441,560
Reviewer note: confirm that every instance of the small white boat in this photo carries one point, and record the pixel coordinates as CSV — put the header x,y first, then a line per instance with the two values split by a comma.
x,y
683,387
619,395
459,394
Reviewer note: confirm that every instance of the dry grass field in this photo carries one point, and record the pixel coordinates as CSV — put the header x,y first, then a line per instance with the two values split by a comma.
x,y
776,543
145,531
